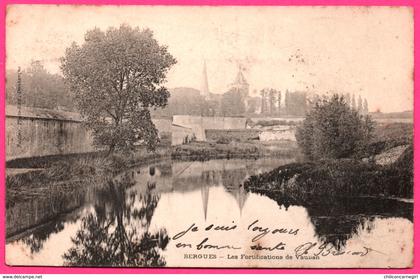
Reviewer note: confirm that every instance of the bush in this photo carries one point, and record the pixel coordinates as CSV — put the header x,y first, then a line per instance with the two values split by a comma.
x,y
332,130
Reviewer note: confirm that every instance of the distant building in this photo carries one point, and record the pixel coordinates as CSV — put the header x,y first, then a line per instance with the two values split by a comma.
x,y
241,84
236,100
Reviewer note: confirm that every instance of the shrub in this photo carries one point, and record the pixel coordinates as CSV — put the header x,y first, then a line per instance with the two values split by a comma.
x,y
332,130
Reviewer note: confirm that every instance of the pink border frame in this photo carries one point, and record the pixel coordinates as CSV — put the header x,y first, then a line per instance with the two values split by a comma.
x,y
414,4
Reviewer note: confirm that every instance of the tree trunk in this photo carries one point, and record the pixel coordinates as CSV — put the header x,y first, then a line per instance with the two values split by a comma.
x,y
110,150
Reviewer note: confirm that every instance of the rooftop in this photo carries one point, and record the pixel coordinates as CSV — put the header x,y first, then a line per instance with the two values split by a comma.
x,y
240,79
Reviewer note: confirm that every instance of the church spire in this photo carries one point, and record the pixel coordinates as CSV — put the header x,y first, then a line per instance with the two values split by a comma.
x,y
205,85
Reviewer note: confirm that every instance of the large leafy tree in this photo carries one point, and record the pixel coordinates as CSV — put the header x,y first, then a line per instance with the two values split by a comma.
x,y
116,77
333,130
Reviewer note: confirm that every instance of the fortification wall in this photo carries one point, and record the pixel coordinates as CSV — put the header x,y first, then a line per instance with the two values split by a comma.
x,y
41,137
32,132
199,124
181,135
288,134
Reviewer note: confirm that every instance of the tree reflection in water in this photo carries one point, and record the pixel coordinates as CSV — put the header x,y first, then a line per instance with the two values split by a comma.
x,y
117,233
337,219
36,240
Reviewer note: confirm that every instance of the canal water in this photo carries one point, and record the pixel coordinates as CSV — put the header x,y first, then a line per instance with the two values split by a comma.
x,y
195,214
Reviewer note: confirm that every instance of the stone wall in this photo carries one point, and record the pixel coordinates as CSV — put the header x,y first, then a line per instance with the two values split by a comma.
x,y
39,132
274,135
181,134
199,124
48,132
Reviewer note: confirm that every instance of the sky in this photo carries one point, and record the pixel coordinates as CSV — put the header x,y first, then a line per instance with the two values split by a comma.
x,y
365,51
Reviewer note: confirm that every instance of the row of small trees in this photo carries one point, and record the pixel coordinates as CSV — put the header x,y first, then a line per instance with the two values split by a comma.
x,y
271,102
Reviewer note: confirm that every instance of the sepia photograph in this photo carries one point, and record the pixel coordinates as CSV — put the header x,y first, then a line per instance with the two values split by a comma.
x,y
209,136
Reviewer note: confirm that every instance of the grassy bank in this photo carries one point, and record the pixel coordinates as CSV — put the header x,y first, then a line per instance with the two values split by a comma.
x,y
390,135
226,136
67,172
341,178
348,177
232,149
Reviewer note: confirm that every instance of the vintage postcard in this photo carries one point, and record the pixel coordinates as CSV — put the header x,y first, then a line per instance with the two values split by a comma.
x,y
198,136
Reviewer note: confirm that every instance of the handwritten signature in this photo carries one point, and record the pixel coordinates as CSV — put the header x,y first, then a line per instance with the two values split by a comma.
x,y
326,249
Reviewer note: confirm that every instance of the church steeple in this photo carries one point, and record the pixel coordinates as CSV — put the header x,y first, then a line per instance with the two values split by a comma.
x,y
240,80
240,83
205,85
